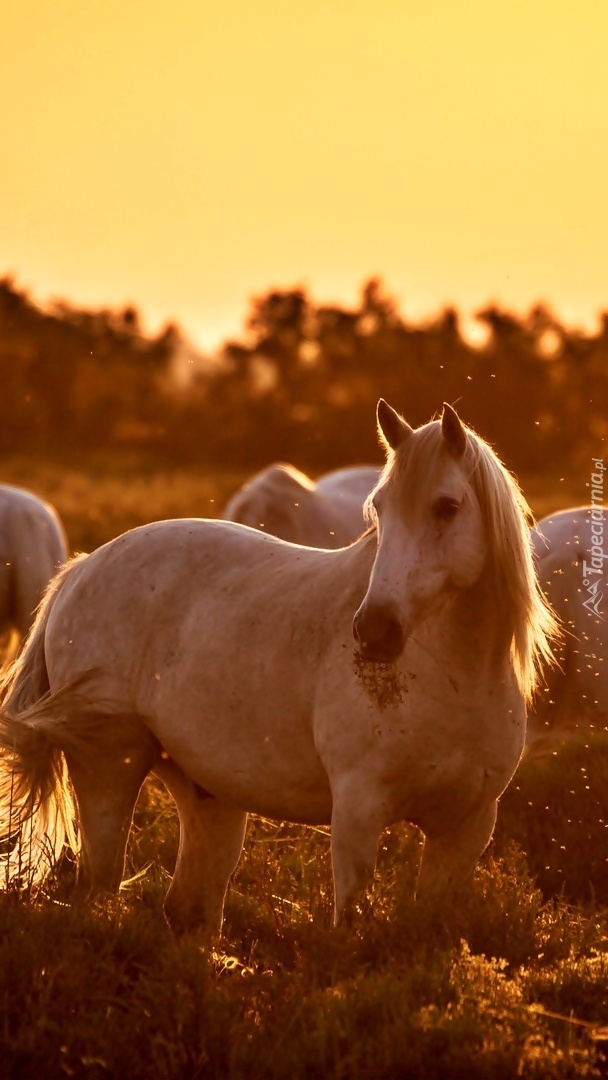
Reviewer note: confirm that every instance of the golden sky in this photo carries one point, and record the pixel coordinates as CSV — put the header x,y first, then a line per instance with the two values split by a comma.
x,y
185,156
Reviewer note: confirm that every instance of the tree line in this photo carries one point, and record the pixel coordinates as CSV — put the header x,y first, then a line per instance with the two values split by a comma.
x,y
300,384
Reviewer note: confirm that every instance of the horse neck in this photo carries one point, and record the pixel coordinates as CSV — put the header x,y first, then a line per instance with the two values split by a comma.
x,y
359,557
476,626
339,576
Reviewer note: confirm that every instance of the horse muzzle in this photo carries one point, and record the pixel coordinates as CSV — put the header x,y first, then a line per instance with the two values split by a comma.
x,y
379,634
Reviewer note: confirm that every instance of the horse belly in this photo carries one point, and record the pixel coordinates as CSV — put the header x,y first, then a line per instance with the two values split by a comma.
x,y
217,646
246,744
244,737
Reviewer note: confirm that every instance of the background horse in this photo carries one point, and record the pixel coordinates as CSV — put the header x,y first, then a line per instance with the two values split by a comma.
x,y
380,682
285,502
32,547
577,689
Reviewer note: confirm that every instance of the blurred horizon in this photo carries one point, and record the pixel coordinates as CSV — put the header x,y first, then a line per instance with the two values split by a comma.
x,y
210,345
185,160
300,383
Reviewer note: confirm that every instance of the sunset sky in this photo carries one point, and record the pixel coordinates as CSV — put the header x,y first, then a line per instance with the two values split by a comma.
x,y
186,156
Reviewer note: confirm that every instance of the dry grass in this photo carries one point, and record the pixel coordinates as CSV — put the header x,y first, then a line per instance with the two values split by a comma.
x,y
106,497
504,984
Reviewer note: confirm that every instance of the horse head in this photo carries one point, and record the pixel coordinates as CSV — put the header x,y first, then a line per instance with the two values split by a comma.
x,y
431,539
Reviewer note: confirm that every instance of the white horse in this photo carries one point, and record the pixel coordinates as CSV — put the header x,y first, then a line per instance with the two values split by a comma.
x,y
570,547
32,547
380,682
285,502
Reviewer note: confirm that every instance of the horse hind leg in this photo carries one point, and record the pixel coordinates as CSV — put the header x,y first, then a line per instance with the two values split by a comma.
x,y
210,845
107,779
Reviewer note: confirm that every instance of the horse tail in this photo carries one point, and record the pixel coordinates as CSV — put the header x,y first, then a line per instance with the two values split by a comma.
x,y
37,810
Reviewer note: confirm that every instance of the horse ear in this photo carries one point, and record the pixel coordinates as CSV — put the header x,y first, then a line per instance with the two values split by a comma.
x,y
453,431
392,428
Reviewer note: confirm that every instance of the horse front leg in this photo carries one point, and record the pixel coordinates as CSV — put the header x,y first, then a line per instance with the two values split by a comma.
x,y
449,858
356,825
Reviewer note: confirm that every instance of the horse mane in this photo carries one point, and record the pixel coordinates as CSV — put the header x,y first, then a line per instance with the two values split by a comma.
x,y
508,520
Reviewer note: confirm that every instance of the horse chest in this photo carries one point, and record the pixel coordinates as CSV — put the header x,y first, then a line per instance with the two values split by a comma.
x,y
437,792
433,767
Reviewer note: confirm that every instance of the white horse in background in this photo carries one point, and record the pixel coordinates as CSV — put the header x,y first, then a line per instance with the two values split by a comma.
x,y
357,687
327,513
32,548
571,571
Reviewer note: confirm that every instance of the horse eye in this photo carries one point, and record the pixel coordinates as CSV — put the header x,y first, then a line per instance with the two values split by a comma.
x,y
445,508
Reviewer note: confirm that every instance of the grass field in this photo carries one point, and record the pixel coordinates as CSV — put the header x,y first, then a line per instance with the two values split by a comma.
x,y
511,981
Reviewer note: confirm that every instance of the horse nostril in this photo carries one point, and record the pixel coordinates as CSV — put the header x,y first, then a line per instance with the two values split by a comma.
x,y
380,636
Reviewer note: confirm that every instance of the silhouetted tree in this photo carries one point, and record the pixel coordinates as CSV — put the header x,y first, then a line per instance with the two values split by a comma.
x,y
302,384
